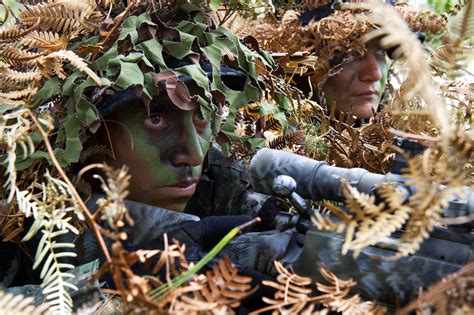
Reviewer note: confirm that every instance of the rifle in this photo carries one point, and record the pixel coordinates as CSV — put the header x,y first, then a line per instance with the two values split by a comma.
x,y
391,283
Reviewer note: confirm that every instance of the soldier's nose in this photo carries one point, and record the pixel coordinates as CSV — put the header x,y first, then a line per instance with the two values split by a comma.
x,y
188,150
370,70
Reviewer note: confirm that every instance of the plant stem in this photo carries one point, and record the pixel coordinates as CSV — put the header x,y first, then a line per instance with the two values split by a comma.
x,y
185,276
87,214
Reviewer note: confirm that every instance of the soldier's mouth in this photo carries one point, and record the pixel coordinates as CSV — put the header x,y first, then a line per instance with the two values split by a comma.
x,y
182,189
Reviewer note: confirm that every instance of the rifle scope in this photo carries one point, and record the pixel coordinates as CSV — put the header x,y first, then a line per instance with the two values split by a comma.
x,y
317,180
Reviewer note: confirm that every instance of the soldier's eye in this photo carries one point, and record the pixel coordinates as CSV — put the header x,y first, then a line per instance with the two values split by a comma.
x,y
154,121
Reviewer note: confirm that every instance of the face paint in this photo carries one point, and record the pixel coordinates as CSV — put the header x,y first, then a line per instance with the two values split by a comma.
x,y
358,87
164,150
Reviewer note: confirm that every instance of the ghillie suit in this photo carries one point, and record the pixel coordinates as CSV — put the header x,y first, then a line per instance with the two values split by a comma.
x,y
62,61
313,40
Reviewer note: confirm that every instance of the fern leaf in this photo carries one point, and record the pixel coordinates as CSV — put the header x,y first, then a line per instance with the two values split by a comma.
x,y
13,34
23,94
221,288
76,61
272,124
18,76
19,305
60,17
18,57
48,41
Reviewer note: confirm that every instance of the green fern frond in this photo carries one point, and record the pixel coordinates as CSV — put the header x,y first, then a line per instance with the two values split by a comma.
x,y
19,305
14,130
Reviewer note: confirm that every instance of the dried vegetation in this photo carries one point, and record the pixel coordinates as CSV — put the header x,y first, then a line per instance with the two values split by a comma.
x,y
41,46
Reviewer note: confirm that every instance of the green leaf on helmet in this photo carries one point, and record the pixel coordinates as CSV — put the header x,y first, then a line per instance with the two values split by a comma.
x,y
130,74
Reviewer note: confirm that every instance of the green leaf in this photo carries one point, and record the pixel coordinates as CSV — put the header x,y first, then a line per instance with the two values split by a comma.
x,y
68,85
7,107
102,62
86,112
182,48
198,75
130,74
21,165
131,25
78,92
50,88
73,148
15,6
214,4
153,51
256,143
197,29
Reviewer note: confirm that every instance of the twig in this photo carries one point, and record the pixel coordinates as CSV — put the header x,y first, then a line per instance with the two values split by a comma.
x,y
87,214
437,289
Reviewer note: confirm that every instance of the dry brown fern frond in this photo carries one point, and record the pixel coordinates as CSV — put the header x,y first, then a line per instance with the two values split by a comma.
x,y
24,94
51,64
11,223
287,140
62,17
367,222
294,296
272,124
451,59
11,75
48,41
14,33
221,288
427,204
452,56
338,142
18,57
20,305
94,150
422,20
335,297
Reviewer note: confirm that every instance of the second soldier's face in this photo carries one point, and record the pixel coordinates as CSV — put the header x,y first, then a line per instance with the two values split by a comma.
x,y
163,148
358,87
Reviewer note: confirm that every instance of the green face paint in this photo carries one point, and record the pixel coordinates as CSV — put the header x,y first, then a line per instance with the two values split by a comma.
x,y
164,150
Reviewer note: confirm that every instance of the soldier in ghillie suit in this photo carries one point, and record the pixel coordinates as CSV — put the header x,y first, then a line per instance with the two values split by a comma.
x,y
152,98
325,51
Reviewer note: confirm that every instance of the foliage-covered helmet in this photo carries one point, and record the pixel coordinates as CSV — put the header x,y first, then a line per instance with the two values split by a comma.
x,y
73,56
320,35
